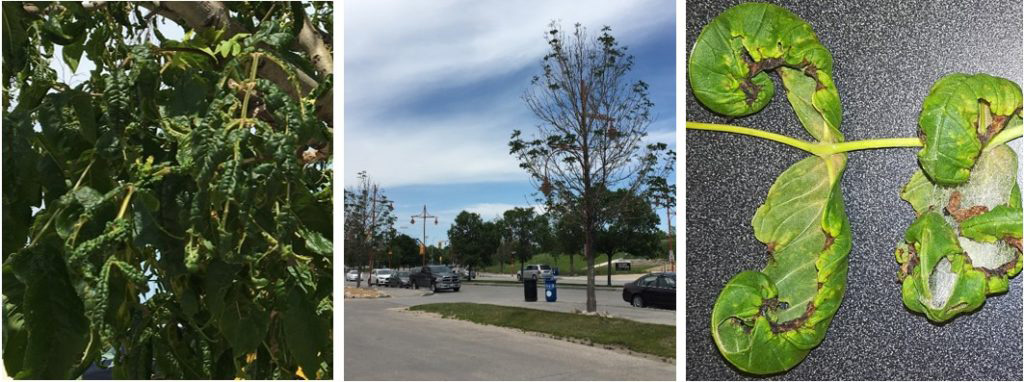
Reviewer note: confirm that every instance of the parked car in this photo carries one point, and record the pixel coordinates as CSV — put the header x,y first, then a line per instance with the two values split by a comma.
x,y
534,271
465,273
380,276
352,275
653,289
435,277
399,279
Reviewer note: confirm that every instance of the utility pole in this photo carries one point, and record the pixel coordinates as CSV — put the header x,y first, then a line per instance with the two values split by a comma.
x,y
423,218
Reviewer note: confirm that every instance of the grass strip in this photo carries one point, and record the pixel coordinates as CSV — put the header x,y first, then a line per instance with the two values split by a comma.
x,y
654,339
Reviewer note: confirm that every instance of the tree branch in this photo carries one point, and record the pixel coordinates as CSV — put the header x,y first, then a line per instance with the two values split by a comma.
x,y
203,15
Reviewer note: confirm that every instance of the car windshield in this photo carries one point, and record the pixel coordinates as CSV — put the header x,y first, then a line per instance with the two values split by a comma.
x,y
545,267
384,272
353,271
439,269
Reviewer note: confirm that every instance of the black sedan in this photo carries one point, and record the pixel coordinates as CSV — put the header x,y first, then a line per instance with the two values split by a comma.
x,y
401,279
654,289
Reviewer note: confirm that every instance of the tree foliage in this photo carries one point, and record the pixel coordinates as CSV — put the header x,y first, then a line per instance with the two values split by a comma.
x,y
369,223
473,240
173,208
591,136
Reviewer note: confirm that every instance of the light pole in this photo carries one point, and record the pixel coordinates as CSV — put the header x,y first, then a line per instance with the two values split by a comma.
x,y
423,216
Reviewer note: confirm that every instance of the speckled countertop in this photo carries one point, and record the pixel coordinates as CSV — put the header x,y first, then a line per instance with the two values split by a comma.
x,y
887,56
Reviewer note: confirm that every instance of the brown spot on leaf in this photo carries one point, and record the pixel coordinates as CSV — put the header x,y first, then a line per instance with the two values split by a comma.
x,y
1014,242
961,214
828,242
997,124
796,322
751,90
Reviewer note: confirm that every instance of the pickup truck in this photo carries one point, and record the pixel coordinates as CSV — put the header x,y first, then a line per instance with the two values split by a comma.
x,y
436,277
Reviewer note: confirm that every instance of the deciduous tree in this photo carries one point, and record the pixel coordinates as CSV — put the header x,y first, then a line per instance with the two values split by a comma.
x,y
174,208
591,135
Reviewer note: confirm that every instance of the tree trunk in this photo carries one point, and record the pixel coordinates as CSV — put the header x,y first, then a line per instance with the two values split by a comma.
x,y
572,267
588,251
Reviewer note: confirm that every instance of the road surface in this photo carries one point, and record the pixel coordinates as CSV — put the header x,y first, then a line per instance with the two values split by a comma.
x,y
382,342
609,301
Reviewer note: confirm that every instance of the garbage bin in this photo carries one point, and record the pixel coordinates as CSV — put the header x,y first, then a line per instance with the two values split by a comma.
x,y
530,289
550,292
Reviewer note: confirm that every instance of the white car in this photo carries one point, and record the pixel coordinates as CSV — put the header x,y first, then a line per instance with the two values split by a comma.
x,y
352,275
380,276
535,271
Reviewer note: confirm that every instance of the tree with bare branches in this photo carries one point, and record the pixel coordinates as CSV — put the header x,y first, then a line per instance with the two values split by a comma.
x,y
592,130
369,223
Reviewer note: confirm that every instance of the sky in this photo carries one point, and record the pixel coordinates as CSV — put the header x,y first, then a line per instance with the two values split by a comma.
x,y
433,92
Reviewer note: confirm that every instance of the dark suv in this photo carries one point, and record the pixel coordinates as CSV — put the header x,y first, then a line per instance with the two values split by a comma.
x,y
436,277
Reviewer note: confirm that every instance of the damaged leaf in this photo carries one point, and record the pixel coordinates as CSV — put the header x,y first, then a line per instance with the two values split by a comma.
x,y
729,60
980,218
960,112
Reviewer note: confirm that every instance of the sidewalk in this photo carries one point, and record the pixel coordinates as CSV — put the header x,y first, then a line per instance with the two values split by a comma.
x,y
599,280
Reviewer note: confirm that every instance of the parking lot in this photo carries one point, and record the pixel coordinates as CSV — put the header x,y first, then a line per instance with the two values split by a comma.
x,y
384,342
569,299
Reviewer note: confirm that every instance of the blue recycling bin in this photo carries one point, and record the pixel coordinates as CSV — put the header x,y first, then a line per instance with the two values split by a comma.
x,y
550,291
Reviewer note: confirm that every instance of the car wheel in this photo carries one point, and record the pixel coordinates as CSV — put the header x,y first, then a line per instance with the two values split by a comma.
x,y
638,301
455,289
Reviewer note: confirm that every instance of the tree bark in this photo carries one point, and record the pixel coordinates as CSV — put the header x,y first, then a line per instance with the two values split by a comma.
x,y
202,15
588,251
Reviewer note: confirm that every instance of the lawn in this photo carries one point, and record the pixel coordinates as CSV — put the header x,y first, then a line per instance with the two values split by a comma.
x,y
654,339
579,265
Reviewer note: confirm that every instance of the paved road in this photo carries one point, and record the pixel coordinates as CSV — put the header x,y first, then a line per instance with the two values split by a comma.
x,y
608,301
385,343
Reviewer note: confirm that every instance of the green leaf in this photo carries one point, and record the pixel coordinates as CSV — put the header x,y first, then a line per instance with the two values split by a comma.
x,y
949,118
992,187
317,242
937,280
304,331
723,80
73,52
767,322
817,109
54,318
1000,223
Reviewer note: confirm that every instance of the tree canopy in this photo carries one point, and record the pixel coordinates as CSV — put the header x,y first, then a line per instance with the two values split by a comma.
x,y
174,208
593,121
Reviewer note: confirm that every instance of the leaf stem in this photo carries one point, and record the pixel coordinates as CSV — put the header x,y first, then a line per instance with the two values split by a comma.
x,y
819,149
790,141
124,204
883,143
1005,136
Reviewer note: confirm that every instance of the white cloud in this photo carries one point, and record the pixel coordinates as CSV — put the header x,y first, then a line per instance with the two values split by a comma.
x,y
398,51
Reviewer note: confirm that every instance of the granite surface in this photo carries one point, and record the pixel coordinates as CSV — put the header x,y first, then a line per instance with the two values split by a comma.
x,y
887,55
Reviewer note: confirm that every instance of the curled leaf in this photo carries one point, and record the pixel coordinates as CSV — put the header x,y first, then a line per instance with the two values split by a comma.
x,y
962,246
729,59
960,114
766,322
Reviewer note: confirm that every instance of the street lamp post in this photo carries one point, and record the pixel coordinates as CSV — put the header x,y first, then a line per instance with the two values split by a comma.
x,y
423,217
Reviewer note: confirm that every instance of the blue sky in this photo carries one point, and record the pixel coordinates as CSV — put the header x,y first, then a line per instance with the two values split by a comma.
x,y
432,93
